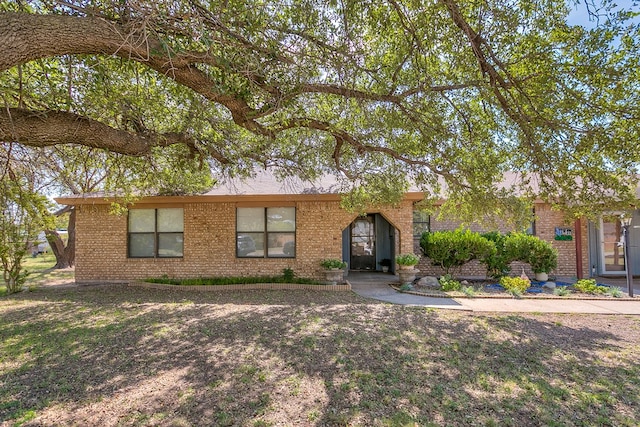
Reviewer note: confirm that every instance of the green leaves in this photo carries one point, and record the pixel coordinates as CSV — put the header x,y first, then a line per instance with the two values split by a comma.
x,y
24,215
452,249
446,95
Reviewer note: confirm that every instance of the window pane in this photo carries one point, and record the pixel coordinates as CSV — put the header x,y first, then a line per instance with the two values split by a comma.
x,y
142,220
420,223
170,244
250,219
171,219
420,216
281,219
250,244
282,245
141,245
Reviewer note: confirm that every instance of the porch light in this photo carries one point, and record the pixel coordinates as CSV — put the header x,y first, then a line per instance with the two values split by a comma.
x,y
625,220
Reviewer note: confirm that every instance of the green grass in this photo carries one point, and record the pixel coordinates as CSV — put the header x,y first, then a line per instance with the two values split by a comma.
x,y
40,272
87,356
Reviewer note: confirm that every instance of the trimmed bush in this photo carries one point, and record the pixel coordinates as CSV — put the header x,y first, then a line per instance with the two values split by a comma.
x,y
516,246
542,256
497,263
453,249
538,253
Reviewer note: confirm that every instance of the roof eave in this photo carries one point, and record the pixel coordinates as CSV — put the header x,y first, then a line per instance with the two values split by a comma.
x,y
266,198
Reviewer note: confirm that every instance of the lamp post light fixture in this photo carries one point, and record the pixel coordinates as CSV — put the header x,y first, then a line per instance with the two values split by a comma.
x,y
626,223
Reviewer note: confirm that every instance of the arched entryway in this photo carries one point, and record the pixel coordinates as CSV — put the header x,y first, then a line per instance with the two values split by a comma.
x,y
367,241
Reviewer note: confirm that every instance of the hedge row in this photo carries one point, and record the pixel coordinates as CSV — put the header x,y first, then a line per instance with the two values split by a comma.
x,y
453,249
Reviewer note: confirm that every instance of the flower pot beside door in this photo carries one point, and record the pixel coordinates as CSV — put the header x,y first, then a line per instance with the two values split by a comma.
x,y
333,271
406,271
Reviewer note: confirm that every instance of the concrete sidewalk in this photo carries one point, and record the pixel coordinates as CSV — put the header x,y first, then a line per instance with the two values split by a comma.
x,y
376,286
551,306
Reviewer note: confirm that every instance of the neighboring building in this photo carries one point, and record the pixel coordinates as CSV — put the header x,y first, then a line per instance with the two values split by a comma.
x,y
262,227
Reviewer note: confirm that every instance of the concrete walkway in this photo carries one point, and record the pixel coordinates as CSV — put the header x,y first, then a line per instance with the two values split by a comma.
x,y
376,286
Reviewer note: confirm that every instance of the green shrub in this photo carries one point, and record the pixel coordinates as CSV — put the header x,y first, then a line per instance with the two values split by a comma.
x,y
542,256
287,274
561,291
589,286
497,263
216,281
407,259
451,249
333,263
615,292
516,246
515,285
538,253
448,283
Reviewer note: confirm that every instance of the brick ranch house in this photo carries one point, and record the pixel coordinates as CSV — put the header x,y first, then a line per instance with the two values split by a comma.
x,y
260,227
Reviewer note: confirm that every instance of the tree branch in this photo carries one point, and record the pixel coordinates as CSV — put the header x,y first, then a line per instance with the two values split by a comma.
x,y
26,37
49,128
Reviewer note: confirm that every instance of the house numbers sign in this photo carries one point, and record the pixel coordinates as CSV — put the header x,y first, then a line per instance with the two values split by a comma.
x,y
564,233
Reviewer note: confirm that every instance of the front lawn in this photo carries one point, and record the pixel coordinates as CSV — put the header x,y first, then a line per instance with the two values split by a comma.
x,y
40,272
115,355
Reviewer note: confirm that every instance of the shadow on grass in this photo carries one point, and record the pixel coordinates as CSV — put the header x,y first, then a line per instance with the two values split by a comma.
x,y
117,355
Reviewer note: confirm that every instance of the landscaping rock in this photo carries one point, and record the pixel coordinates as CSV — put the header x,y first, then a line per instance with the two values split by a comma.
x,y
428,282
549,285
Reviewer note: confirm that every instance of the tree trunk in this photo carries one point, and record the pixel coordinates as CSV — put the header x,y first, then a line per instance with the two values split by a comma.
x,y
65,255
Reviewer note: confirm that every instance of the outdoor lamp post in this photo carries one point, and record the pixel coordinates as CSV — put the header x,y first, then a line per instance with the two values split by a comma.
x,y
626,223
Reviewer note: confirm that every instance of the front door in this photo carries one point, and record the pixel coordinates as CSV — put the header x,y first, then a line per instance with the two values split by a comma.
x,y
611,250
363,243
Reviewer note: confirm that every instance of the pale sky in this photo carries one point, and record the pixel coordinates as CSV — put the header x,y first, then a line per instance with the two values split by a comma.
x,y
580,15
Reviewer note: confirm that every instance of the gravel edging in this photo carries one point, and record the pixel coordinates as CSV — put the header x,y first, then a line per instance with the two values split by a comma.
x,y
244,287
499,296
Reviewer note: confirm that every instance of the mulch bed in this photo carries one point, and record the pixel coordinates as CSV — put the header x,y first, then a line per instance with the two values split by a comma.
x,y
490,289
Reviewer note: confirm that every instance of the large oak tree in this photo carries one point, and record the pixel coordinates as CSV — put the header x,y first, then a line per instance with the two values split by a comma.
x,y
448,95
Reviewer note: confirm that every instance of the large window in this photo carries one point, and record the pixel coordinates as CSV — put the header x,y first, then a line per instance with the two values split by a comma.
x,y
266,232
156,233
